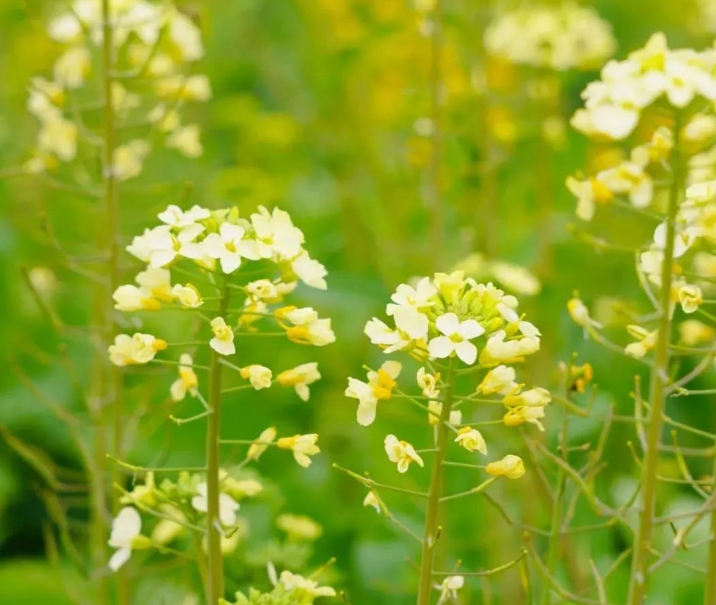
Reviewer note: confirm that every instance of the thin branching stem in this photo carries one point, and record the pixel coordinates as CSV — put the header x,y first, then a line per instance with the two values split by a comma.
x,y
658,386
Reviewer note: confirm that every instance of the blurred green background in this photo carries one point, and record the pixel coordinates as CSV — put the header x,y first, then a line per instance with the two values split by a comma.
x,y
314,108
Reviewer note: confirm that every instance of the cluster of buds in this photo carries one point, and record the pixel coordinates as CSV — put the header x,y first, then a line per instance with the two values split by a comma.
x,y
152,41
288,589
173,509
179,506
452,319
568,36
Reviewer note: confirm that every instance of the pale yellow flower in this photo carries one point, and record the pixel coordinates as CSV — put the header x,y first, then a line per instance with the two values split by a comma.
x,y
73,67
188,296
690,298
647,341
131,298
693,332
259,376
58,137
380,385
223,341
303,446
471,439
435,409
402,453
187,381
510,466
500,379
299,378
522,414
306,588
298,527
186,140
136,349
428,383
372,500
259,446
128,159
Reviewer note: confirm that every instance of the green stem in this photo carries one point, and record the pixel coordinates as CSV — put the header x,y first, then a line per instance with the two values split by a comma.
x,y
215,562
432,517
710,595
110,377
434,177
556,524
659,381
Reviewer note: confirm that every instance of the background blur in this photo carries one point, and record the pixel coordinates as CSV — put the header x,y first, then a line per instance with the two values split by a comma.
x,y
317,108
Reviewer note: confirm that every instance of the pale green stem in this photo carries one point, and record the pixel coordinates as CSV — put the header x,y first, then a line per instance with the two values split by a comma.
x,y
215,562
659,382
555,529
432,517
710,594
434,185
109,377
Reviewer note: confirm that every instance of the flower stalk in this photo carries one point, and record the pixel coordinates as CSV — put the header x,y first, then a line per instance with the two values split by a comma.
x,y
710,594
658,383
215,563
432,518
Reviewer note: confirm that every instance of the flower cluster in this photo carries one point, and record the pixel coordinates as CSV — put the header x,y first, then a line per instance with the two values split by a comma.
x,y
565,37
152,41
655,73
217,244
289,589
212,249
442,322
181,505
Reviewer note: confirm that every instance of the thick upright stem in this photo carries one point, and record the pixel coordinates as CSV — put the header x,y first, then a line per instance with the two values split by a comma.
x,y
106,378
710,594
432,517
215,575
659,379
435,202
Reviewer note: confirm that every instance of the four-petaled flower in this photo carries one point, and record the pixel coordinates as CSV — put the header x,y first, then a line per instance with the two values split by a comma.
x,y
456,338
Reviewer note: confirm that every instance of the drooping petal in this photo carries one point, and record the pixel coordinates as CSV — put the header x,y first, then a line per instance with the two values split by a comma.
x,y
366,412
119,558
